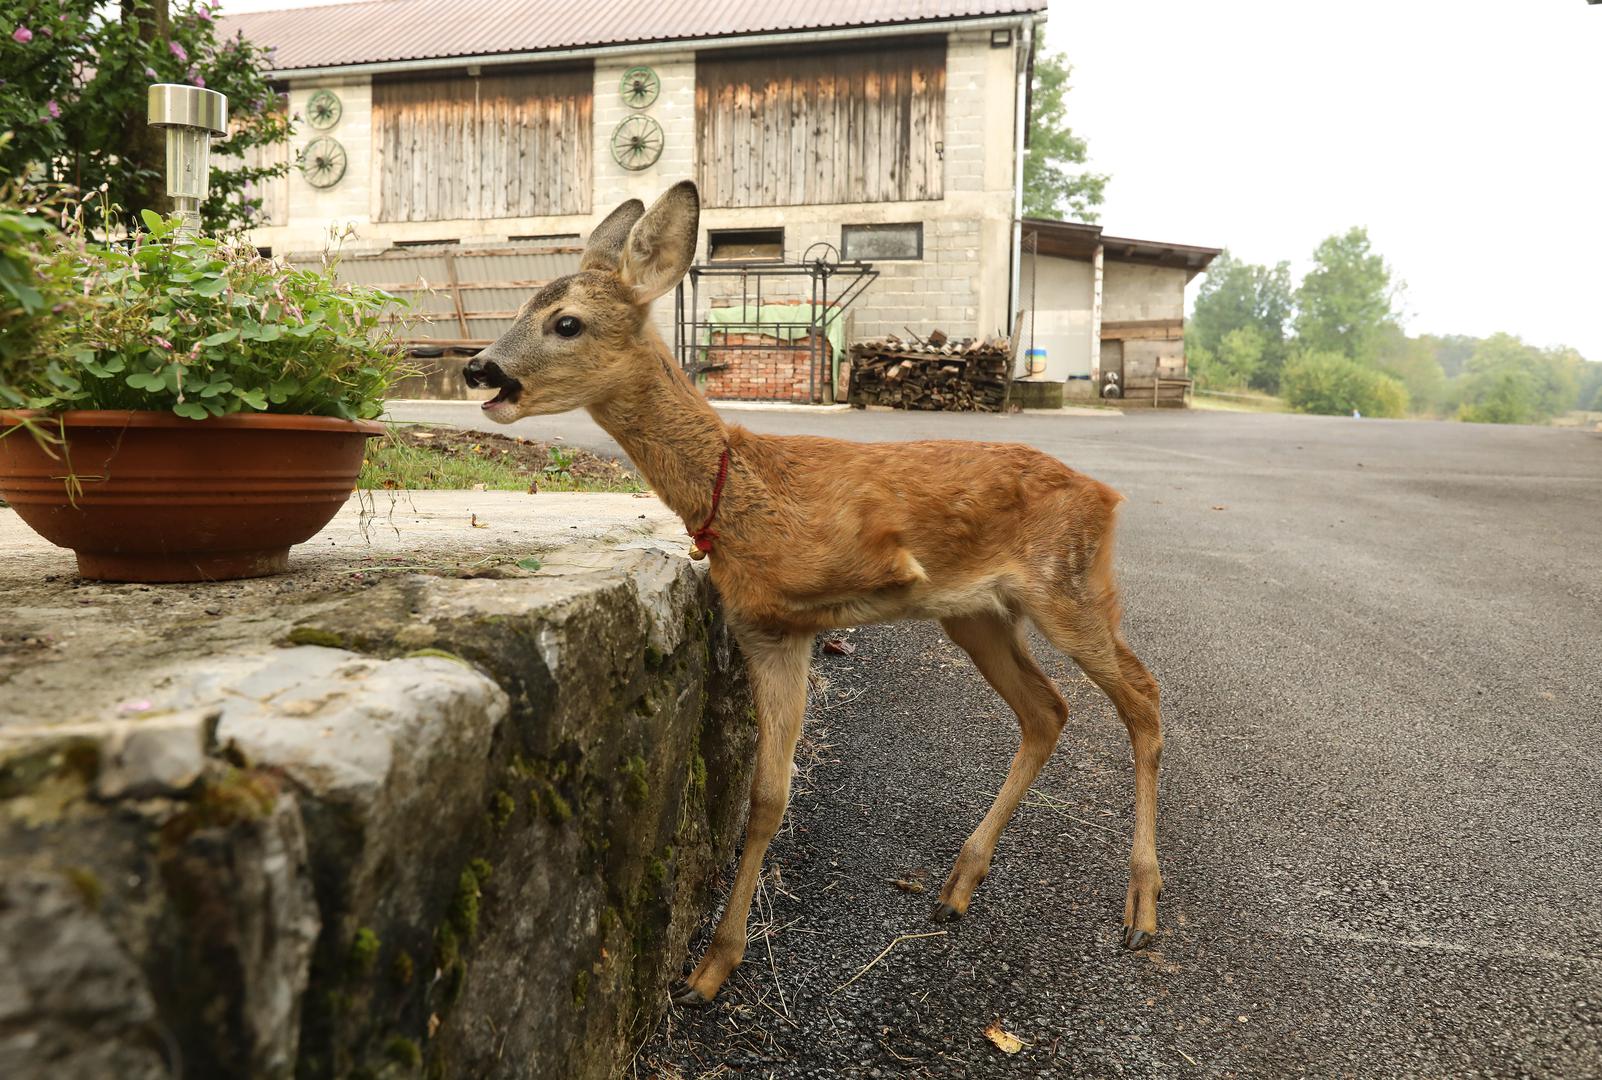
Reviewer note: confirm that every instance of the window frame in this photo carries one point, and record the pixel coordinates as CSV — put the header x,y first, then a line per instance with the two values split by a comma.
x,y
885,225
713,236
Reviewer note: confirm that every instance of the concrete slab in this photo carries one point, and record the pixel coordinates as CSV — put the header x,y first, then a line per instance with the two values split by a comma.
x,y
56,629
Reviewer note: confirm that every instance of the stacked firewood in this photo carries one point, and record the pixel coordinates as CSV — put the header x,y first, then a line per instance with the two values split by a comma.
x,y
931,373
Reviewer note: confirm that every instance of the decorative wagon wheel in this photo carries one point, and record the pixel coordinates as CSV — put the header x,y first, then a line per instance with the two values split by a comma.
x,y
640,87
323,110
322,162
637,143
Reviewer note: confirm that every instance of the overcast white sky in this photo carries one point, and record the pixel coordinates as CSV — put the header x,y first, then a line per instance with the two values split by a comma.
x,y
1466,134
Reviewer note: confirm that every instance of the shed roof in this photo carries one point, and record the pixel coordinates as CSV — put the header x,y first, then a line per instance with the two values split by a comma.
x,y
390,31
1077,240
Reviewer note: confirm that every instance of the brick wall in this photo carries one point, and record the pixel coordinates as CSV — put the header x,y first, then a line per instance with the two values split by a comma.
x,y
776,374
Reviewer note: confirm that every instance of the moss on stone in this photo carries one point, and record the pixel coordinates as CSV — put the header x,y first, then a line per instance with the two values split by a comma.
x,y
636,788
698,776
401,969
364,949
403,1051
238,795
464,906
89,887
482,869
581,989
502,807
557,808
312,635
653,656
441,654
447,949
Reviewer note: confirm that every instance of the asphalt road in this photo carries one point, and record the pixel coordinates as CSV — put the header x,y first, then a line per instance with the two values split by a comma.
x,y
1380,647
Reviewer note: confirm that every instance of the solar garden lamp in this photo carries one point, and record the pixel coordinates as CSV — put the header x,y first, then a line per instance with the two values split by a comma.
x,y
192,116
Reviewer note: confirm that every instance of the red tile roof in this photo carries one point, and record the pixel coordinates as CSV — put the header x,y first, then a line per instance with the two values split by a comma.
x,y
377,31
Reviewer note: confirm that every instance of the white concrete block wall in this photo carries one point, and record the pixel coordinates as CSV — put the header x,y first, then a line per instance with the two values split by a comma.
x,y
960,285
1134,292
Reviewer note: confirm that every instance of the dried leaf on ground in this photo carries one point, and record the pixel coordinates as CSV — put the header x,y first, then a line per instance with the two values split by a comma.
x,y
477,524
837,647
913,881
1004,1040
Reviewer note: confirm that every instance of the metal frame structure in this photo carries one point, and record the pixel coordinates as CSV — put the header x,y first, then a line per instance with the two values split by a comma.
x,y
808,332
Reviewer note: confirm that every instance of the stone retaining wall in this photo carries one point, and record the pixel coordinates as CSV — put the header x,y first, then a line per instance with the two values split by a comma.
x,y
439,827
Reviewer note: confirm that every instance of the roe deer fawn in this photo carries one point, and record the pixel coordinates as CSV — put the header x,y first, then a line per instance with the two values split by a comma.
x,y
808,534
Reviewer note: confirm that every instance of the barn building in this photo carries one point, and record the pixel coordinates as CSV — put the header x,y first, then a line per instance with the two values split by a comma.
x,y
471,144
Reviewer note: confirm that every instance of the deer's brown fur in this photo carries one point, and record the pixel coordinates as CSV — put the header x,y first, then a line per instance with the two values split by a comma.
x,y
814,534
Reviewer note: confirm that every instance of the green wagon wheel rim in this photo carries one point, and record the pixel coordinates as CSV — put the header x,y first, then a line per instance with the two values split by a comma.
x,y
323,162
637,143
640,87
323,110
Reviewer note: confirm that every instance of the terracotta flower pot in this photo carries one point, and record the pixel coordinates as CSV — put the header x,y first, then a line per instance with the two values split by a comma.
x,y
164,498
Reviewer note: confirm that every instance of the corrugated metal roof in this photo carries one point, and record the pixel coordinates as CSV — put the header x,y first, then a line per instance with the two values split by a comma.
x,y
378,31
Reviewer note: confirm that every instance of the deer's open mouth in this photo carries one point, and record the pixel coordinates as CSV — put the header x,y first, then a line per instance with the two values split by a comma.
x,y
505,393
507,388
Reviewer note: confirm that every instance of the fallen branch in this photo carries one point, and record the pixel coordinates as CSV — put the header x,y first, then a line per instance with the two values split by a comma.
x,y
881,956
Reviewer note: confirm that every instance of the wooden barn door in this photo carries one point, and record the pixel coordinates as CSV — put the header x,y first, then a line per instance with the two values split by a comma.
x,y
496,146
786,128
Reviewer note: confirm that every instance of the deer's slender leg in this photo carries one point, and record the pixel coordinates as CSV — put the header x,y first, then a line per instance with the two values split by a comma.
x,y
1099,650
999,650
778,667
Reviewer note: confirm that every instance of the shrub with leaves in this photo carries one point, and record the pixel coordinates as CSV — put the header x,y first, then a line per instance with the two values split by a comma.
x,y
36,291
73,81
1327,382
207,328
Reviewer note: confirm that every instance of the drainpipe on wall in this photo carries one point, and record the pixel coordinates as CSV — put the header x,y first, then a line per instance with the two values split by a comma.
x,y
1026,39
1095,321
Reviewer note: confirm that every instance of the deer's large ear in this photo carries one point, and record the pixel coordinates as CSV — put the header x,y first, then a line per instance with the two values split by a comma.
x,y
605,247
661,245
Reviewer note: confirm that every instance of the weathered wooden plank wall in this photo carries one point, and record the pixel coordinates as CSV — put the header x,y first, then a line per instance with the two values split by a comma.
x,y
787,128
492,147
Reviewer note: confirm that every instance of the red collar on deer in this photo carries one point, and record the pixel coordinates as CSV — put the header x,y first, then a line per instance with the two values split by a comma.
x,y
702,538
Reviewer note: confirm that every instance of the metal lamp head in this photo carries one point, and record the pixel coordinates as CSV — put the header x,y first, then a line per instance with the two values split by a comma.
x,y
192,117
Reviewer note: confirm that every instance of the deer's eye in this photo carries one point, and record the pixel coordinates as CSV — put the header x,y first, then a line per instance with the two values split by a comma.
x,y
568,326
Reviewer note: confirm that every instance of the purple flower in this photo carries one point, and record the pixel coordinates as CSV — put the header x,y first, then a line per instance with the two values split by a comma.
x,y
53,109
203,13
198,80
178,50
150,72
22,35
163,342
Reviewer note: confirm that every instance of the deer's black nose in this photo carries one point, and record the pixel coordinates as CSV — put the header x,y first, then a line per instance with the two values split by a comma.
x,y
480,372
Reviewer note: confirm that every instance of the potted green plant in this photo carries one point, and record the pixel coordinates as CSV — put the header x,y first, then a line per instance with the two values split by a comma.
x,y
179,408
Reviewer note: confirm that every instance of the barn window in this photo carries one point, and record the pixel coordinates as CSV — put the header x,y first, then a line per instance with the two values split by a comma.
x,y
565,238
878,243
423,243
495,146
745,245
835,125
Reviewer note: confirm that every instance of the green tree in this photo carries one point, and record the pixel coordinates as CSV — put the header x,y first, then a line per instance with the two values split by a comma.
x,y
1452,351
1347,300
1335,384
73,79
1237,295
1412,360
1509,382
1050,185
1235,363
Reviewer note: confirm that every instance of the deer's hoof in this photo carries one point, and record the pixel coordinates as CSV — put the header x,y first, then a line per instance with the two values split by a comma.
x,y
1137,939
944,913
690,998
